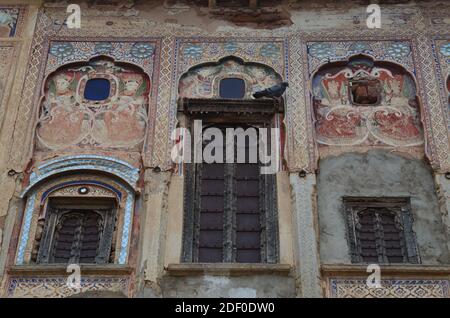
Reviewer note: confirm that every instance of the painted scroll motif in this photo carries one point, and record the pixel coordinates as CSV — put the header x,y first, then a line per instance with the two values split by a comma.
x,y
69,118
203,81
366,104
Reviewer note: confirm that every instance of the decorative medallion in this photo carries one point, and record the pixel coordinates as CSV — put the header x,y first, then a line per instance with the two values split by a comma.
x,y
103,47
445,49
270,50
398,50
230,47
61,49
193,51
142,50
320,50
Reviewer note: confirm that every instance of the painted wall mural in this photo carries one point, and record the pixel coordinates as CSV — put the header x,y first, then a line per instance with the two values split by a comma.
x,y
9,19
203,81
71,117
191,51
137,53
399,52
366,103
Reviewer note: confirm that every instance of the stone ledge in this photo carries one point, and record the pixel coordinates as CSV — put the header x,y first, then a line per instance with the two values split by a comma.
x,y
397,270
57,269
227,269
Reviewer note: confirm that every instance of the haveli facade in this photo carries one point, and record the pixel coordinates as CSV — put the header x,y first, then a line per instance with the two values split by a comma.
x,y
86,175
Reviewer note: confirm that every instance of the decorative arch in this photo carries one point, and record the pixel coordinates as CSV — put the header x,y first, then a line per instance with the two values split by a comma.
x,y
118,168
96,104
72,178
203,80
363,102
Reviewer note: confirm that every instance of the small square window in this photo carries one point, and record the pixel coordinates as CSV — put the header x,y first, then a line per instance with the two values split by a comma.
x,y
365,91
97,89
380,230
232,88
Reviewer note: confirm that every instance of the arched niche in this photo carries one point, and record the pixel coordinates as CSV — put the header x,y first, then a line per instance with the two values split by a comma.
x,y
82,183
204,80
97,104
365,102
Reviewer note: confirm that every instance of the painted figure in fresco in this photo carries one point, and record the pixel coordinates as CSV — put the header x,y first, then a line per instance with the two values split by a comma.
x,y
198,83
334,118
68,119
382,104
62,120
339,122
402,121
7,23
262,77
126,119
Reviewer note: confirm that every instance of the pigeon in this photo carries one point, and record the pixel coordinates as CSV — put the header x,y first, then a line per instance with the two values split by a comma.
x,y
275,91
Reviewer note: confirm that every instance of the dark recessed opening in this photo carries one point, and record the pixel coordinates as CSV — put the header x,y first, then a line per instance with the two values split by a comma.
x,y
232,3
365,92
97,89
232,88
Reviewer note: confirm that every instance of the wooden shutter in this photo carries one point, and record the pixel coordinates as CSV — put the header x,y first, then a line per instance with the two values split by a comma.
x,y
229,211
90,237
380,237
77,237
66,236
212,203
380,230
248,213
367,236
393,240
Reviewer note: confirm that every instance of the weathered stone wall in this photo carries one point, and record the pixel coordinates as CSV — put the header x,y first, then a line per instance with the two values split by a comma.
x,y
295,38
378,174
225,286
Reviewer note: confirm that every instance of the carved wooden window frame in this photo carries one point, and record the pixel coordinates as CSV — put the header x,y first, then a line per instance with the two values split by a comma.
x,y
59,207
233,112
400,207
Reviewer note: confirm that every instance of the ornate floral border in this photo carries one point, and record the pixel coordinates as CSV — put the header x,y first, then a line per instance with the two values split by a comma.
x,y
441,54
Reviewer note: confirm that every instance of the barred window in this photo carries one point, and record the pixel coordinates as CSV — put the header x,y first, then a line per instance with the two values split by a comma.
x,y
230,212
77,233
380,230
